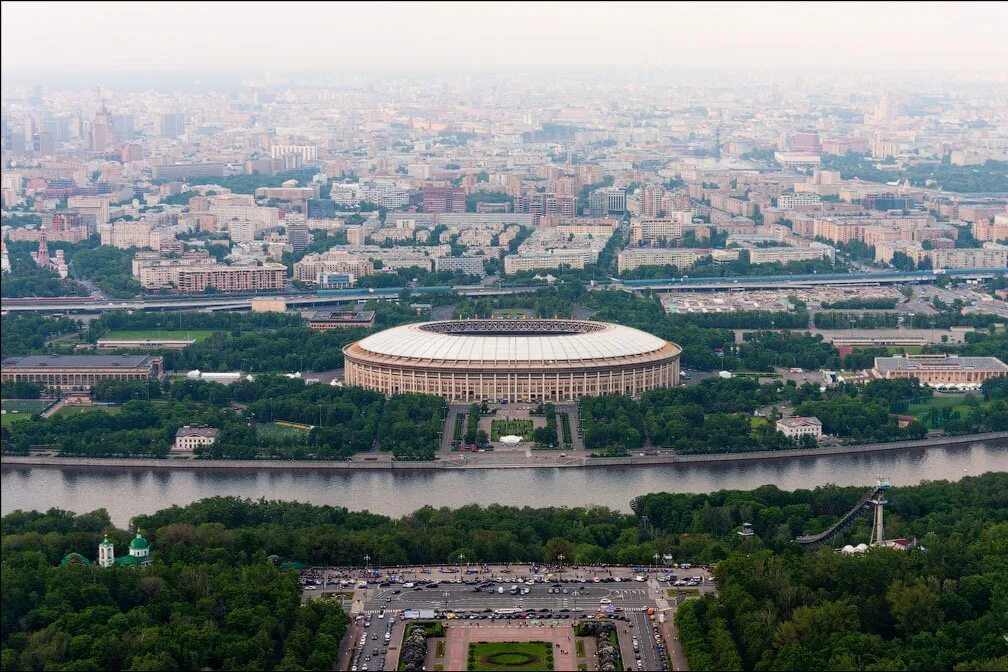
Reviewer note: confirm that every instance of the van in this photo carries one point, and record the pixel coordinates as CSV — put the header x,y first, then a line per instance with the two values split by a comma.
x,y
409,584
500,590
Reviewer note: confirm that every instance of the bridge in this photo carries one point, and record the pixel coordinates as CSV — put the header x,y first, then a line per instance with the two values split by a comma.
x,y
873,501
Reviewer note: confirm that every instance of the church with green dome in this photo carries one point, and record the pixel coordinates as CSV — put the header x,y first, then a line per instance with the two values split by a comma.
x,y
139,553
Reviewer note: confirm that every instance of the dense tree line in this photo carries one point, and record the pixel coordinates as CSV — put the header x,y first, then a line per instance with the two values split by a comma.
x,y
247,184
938,607
186,320
989,343
765,350
26,333
716,415
29,279
860,304
987,177
344,421
252,347
707,268
203,603
213,599
403,277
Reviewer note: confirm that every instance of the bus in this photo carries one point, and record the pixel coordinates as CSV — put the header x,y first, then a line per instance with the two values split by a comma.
x,y
508,612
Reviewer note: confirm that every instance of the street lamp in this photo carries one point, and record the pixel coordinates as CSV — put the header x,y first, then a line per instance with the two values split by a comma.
x,y
367,559
655,558
461,558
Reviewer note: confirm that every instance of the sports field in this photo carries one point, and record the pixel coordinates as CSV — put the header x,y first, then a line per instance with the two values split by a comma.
x,y
154,334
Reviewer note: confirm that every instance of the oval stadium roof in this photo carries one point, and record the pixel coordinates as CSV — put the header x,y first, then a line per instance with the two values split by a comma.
x,y
542,341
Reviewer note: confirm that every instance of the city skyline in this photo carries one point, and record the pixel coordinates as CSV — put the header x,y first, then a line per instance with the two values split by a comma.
x,y
160,37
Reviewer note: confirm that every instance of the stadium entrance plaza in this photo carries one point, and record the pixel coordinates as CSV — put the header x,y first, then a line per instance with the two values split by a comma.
x,y
555,613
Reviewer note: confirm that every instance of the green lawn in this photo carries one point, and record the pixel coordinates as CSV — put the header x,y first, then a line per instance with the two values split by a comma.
x,y
269,430
507,656
26,406
522,428
956,402
8,419
173,334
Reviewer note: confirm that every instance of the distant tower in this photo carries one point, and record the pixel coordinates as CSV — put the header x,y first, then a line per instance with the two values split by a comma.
x,y
42,256
106,553
879,500
717,143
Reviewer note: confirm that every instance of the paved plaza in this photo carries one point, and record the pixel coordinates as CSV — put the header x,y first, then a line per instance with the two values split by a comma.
x,y
559,635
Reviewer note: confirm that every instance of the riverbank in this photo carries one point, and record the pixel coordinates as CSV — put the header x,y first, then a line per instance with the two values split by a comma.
x,y
510,460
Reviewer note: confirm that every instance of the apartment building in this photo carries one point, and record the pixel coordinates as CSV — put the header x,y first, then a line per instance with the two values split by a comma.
x,y
125,235
680,257
312,266
653,230
794,201
223,278
515,263
651,199
467,265
783,255
607,201
991,255
444,199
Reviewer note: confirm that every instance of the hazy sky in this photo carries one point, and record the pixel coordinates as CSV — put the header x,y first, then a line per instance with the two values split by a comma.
x,y
129,36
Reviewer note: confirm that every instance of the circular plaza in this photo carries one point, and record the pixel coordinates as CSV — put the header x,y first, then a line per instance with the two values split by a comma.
x,y
507,360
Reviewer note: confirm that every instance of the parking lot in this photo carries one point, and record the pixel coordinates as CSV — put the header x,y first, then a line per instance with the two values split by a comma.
x,y
492,597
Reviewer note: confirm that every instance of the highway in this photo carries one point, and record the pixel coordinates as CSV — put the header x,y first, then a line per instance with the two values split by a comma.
x,y
217,302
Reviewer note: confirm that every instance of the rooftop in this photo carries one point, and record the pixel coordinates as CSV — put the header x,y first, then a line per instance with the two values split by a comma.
x,y
938,362
80,361
800,421
512,341
343,316
209,432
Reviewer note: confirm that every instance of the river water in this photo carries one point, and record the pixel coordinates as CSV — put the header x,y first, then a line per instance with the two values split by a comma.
x,y
128,492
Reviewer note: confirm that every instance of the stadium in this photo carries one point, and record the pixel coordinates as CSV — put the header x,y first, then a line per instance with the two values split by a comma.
x,y
512,360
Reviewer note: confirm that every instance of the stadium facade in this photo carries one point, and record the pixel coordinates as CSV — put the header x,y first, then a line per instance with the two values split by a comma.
x,y
512,360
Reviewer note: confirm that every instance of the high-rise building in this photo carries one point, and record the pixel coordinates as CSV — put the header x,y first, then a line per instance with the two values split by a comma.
x,y
172,124
606,201
444,199
651,199
320,208
122,126
102,135
298,236
806,141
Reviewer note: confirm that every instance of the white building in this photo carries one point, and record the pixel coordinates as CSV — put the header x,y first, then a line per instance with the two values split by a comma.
x,y
188,438
797,426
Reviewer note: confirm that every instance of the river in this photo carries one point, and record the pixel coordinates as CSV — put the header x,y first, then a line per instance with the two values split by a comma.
x,y
128,492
